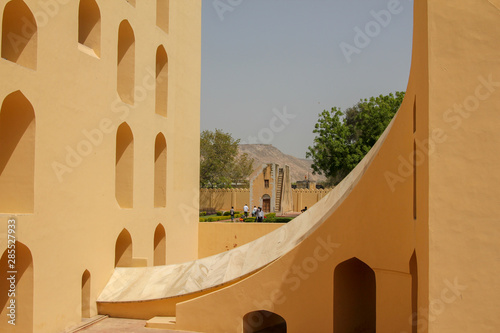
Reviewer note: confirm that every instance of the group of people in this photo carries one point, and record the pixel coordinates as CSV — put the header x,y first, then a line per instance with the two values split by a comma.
x,y
256,212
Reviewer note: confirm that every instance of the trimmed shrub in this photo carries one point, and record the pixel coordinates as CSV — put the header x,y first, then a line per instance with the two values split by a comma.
x,y
219,213
283,219
227,213
203,213
217,218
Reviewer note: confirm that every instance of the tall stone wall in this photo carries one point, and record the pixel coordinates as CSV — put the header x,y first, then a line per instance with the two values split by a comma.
x,y
223,199
307,198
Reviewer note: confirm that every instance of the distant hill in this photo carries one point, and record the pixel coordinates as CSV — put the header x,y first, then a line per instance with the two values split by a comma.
x,y
263,154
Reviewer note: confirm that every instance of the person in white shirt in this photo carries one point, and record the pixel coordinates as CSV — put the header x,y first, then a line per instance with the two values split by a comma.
x,y
260,215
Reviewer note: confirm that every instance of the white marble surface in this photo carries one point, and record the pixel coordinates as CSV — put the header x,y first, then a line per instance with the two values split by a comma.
x,y
129,284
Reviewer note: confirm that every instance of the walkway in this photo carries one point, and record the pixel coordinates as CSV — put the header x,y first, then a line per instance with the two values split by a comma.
x,y
118,325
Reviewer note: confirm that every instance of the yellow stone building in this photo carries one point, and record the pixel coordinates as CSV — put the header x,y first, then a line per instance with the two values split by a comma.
x,y
92,162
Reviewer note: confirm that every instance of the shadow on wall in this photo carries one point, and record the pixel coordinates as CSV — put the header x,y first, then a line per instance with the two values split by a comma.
x,y
18,289
354,297
263,322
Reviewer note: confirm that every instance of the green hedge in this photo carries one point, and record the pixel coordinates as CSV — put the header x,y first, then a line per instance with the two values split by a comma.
x,y
216,218
248,219
270,220
282,219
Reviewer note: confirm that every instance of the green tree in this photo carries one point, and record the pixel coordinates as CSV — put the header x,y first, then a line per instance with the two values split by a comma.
x,y
242,168
220,165
343,138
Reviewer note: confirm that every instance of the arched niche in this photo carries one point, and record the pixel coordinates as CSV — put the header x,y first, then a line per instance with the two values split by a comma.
x,y
89,25
160,246
124,166
263,321
19,34
123,249
22,286
17,154
354,297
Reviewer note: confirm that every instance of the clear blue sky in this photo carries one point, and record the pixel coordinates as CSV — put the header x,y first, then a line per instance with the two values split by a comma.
x,y
269,67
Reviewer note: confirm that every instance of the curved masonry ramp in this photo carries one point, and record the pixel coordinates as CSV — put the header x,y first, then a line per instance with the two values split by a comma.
x,y
138,284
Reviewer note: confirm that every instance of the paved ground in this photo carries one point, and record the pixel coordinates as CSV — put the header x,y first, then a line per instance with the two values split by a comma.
x,y
118,325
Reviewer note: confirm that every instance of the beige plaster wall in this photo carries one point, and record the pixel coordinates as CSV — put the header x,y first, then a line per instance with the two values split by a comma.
x,y
304,197
299,286
430,195
75,220
464,182
217,237
224,199
384,235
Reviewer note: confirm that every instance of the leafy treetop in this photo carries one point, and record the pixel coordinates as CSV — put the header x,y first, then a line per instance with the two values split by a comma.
x,y
343,138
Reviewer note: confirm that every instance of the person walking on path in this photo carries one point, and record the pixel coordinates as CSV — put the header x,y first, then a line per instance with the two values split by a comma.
x,y
245,210
232,214
260,215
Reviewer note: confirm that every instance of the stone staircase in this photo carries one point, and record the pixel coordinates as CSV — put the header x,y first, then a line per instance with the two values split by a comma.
x,y
279,189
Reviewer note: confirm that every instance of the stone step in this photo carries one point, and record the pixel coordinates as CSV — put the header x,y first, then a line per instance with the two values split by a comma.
x,y
161,322
86,322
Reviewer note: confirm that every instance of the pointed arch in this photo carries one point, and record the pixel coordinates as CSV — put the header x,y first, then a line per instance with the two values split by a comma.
x,y
160,181
19,34
162,14
24,288
161,81
124,166
17,154
160,246
263,321
354,297
86,294
123,249
89,25
126,62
